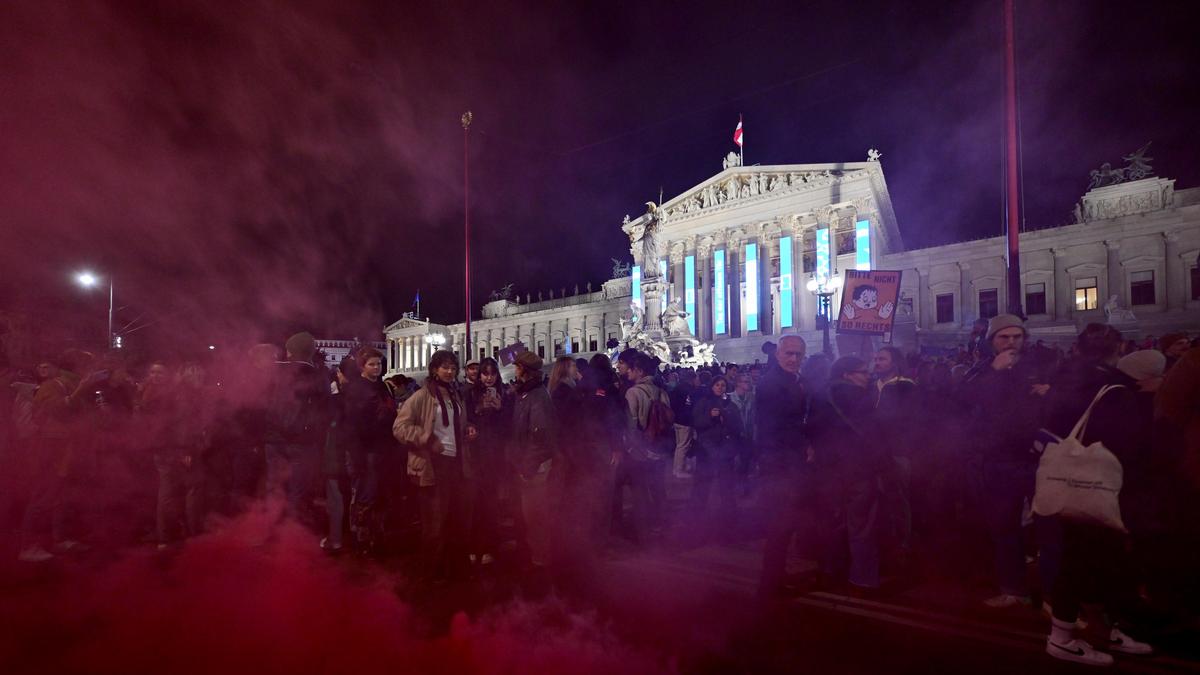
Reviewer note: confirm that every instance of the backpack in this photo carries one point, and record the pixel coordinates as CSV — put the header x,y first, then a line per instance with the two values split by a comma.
x,y
658,435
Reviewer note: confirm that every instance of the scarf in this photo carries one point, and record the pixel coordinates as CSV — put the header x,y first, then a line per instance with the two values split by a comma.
x,y
438,386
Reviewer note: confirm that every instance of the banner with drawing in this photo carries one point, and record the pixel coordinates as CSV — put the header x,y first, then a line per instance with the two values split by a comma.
x,y
869,299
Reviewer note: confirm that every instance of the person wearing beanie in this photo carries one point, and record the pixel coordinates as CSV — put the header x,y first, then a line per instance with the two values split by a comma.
x,y
301,347
1144,366
1005,394
534,434
298,413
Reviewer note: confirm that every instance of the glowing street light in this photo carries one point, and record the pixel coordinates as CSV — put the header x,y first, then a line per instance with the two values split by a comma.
x,y
90,280
824,289
435,341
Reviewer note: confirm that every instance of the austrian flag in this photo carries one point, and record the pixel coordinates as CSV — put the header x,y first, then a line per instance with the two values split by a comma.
x,y
737,133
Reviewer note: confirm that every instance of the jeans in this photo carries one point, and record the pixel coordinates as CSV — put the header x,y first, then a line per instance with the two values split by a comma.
x,y
180,497
335,505
445,519
290,469
1095,567
718,471
685,436
861,499
795,501
1005,485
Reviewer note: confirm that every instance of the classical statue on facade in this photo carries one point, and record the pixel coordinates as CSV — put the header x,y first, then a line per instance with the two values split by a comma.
x,y
873,155
674,320
631,323
650,240
1117,314
503,293
1138,164
731,160
620,269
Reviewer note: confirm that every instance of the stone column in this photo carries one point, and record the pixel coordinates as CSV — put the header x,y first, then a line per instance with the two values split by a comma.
x,y
1116,285
964,295
924,299
733,273
676,262
1176,285
1063,304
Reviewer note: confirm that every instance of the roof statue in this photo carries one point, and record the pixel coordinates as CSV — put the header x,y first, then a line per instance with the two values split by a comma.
x,y
503,293
731,160
1137,167
873,155
619,269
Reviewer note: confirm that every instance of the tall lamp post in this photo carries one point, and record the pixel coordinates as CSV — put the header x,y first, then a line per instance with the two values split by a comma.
x,y
466,125
435,341
824,289
89,280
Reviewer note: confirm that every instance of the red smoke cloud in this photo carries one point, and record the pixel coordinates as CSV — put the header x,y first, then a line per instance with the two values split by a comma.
x,y
258,596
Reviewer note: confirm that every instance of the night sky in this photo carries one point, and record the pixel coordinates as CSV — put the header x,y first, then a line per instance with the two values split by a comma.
x,y
248,169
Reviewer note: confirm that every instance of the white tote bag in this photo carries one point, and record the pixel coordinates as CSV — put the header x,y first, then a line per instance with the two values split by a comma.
x,y
1077,481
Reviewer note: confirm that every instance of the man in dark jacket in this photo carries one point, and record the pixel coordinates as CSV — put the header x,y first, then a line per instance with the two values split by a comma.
x,y
533,440
789,489
297,418
1006,395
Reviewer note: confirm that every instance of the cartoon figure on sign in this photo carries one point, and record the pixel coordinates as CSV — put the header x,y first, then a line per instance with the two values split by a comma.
x,y
863,303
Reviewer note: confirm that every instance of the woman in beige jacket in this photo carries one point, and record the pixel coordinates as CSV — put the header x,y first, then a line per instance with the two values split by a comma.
x,y
432,427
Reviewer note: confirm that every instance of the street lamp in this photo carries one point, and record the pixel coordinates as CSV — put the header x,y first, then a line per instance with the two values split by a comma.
x,y
89,280
435,341
824,289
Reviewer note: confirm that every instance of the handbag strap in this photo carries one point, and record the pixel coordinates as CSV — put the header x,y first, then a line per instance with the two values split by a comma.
x,y
1081,425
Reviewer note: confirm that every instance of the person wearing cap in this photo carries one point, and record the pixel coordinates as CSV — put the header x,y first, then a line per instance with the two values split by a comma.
x,y
297,417
534,453
1005,393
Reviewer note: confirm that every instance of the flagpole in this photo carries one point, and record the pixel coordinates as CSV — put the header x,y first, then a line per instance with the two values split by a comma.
x,y
742,143
466,125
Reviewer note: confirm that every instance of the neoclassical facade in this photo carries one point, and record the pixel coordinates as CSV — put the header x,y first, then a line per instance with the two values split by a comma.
x,y
738,251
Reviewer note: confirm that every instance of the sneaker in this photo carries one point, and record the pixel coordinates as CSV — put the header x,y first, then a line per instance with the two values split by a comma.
x,y
486,559
1078,651
71,546
1120,642
1006,600
329,547
34,554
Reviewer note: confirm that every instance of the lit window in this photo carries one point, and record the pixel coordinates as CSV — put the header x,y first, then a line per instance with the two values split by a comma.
x,y
1141,288
1086,294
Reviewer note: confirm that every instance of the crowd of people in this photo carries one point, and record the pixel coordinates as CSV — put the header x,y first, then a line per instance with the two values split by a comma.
x,y
878,467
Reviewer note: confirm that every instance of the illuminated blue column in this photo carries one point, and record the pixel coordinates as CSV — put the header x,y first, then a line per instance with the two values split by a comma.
x,y
689,291
752,277
637,286
718,292
862,245
824,270
786,282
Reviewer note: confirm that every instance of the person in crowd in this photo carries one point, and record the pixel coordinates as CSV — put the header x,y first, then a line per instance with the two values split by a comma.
x,y
335,461
297,418
898,405
489,411
562,385
470,378
535,453
845,432
370,412
1006,394
51,452
649,422
719,441
790,489
1094,564
1173,346
683,396
742,396
432,426
602,434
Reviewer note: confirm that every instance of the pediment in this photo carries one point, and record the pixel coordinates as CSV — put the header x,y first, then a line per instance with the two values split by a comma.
x,y
406,322
740,185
